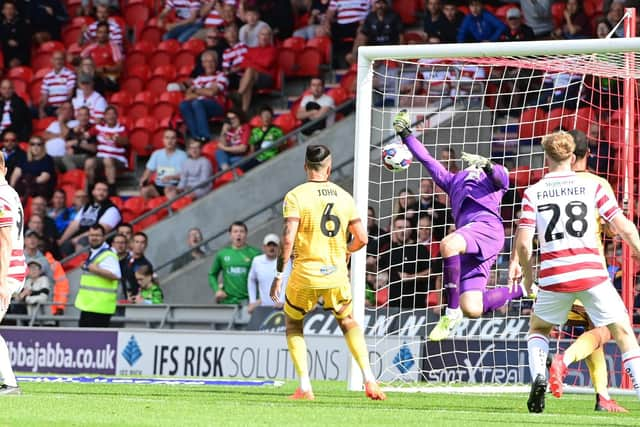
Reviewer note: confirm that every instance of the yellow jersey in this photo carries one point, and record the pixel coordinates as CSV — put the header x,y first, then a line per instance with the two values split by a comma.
x,y
325,212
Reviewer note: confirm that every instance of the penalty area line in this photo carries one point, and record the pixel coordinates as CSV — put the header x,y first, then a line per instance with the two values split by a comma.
x,y
72,379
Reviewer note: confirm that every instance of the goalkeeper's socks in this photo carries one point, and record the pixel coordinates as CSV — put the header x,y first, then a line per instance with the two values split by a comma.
x,y
492,299
451,280
585,345
538,347
7,376
298,351
631,362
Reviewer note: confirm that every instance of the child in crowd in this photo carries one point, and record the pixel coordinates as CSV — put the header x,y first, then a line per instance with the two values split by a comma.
x,y
150,292
36,287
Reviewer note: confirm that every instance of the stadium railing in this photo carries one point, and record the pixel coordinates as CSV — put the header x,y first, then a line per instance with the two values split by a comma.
x,y
160,316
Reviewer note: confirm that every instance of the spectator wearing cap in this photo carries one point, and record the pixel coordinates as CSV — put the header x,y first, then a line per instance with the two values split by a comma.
x,y
14,113
86,96
197,251
262,272
32,252
37,286
480,25
516,30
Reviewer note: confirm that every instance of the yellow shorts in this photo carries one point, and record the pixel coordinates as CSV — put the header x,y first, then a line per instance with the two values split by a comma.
x,y
578,317
300,300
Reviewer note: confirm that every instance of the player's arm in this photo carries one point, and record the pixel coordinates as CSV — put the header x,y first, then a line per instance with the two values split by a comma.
x,y
498,174
524,249
289,231
5,253
402,125
360,238
623,227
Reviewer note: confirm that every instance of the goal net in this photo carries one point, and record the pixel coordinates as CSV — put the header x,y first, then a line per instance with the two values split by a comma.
x,y
496,100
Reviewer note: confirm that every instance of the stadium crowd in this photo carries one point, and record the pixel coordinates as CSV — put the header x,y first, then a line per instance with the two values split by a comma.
x,y
92,89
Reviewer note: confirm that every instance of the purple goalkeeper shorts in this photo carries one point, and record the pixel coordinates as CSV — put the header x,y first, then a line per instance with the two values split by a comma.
x,y
484,242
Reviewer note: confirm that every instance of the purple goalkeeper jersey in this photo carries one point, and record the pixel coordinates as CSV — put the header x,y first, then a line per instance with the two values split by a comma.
x,y
474,195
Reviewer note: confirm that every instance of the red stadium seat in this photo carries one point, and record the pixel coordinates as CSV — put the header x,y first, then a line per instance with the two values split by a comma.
x,y
35,91
532,123
117,201
122,100
149,123
287,61
50,47
75,262
294,43
140,142
196,46
151,34
40,125
255,122
141,71
184,58
324,45
287,122
74,177
142,46
134,207
309,61
338,94
407,10
209,151
138,110
166,71
41,60
145,97
501,12
132,85
79,21
584,118
22,89
171,46
157,137
20,73
162,110
71,35
157,85
557,13
414,37
159,58
136,15
184,73
39,74
227,177
69,193
154,203
134,59
174,97
181,203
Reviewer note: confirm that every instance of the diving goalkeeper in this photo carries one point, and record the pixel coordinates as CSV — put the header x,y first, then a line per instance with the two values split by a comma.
x,y
471,250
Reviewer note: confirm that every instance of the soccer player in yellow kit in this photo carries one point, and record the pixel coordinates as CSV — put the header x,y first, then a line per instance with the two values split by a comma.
x,y
589,345
318,217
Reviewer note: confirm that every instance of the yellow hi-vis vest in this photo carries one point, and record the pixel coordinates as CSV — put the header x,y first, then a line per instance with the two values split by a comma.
x,y
97,294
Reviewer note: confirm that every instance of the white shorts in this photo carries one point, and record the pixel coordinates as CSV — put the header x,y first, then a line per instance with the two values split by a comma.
x,y
602,303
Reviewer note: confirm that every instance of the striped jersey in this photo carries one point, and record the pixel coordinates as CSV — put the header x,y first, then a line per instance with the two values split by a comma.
x,y
218,79
95,102
183,8
115,32
324,211
5,121
214,19
103,55
106,145
350,11
234,55
58,87
565,208
12,215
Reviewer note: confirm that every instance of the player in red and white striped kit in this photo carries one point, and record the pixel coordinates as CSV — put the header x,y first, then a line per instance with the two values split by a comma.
x,y
565,209
12,268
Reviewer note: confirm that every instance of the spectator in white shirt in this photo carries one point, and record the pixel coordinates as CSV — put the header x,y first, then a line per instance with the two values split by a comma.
x,y
57,86
57,132
87,97
167,164
315,105
249,31
262,272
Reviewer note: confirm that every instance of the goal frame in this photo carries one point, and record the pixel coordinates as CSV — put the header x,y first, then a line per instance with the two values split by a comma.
x,y
366,57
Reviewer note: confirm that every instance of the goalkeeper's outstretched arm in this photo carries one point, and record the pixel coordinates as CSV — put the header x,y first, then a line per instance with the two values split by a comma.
x,y
441,176
498,174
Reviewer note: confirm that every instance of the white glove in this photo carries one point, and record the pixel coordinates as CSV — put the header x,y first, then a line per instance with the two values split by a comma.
x,y
402,124
475,160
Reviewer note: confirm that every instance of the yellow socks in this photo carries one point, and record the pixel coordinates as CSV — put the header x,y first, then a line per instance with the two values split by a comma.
x,y
358,348
582,347
598,371
298,351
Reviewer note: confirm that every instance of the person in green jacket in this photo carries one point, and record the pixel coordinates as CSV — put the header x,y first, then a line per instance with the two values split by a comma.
x,y
263,137
234,262
150,292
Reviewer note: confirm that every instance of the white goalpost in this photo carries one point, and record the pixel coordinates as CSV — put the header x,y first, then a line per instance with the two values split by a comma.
x,y
497,100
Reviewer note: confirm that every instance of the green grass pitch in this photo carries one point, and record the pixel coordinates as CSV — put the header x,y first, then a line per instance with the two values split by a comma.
x,y
162,405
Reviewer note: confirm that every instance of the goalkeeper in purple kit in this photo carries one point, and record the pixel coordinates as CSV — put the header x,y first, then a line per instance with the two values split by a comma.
x,y
471,250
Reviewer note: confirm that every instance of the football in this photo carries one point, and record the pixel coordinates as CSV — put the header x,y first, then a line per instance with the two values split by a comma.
x,y
396,157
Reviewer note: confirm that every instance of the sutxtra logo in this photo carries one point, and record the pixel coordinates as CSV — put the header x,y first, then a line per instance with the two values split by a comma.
x,y
132,352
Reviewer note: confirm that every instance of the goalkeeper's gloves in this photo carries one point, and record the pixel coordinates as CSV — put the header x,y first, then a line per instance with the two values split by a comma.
x,y
402,124
478,161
